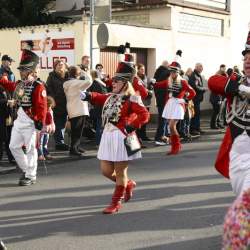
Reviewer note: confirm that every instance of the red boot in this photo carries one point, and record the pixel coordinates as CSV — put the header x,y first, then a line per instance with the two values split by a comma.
x,y
129,190
175,145
116,203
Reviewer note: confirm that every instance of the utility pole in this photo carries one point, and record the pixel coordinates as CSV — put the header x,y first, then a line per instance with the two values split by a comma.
x,y
91,16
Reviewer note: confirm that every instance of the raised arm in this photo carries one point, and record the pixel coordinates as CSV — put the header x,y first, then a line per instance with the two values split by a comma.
x,y
8,85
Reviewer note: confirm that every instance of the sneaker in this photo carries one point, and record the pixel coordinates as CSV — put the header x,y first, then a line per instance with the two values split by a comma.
x,y
160,143
195,132
62,147
202,132
26,182
75,153
81,150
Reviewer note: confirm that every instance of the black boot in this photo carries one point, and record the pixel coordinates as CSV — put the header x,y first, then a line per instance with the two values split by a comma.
x,y
74,152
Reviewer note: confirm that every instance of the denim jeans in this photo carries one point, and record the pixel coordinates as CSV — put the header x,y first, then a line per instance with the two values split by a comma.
x,y
43,144
60,122
162,128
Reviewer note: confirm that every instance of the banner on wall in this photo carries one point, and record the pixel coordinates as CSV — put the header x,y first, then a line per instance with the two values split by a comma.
x,y
51,46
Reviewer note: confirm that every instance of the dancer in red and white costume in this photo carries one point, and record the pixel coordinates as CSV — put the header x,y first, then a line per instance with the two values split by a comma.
x,y
174,109
123,113
233,160
31,98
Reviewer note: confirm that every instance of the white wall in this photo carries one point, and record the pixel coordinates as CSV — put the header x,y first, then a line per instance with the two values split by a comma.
x,y
239,29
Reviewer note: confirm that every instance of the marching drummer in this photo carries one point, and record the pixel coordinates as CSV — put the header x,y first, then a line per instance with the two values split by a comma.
x,y
31,96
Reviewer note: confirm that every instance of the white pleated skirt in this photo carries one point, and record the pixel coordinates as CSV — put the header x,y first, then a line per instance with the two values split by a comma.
x,y
174,109
112,146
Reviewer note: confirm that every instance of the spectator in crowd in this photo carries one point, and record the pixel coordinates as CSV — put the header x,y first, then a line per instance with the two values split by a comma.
x,y
196,82
100,72
216,101
7,116
162,73
54,84
5,69
48,128
188,73
88,130
77,109
85,67
230,71
236,70
184,125
142,133
96,113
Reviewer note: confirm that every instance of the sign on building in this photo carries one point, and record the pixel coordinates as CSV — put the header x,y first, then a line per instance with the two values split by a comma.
x,y
51,46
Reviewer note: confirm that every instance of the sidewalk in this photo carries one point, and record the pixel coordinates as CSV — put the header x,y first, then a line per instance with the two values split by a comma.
x,y
62,157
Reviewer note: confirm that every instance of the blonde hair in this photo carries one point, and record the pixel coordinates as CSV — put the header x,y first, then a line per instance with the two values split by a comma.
x,y
129,90
177,80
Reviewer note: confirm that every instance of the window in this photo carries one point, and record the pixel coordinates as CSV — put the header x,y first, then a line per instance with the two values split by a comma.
x,y
220,4
200,25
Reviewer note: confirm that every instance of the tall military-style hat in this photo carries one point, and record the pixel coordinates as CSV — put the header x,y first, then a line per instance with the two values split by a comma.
x,y
175,65
29,60
126,66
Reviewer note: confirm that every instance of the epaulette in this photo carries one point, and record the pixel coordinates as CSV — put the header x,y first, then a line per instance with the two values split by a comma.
x,y
136,99
39,81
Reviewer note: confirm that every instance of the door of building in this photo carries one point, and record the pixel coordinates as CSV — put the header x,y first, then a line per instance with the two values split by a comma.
x,y
109,58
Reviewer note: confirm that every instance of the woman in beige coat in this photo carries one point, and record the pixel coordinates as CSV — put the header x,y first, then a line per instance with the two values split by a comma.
x,y
77,109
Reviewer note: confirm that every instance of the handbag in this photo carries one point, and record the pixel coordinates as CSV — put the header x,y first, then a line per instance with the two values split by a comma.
x,y
9,121
132,144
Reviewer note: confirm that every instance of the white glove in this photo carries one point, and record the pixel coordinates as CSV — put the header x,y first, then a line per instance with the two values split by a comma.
x,y
83,95
153,81
244,91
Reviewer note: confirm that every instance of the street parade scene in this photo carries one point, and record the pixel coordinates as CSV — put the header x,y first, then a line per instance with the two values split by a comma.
x,y
125,125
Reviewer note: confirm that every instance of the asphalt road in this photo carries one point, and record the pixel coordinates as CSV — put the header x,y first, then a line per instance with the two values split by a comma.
x,y
179,204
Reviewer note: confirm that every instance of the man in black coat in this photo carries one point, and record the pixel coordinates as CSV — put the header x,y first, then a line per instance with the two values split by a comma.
x,y
196,82
161,73
7,116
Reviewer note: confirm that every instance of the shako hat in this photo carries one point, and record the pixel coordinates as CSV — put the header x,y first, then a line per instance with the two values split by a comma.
x,y
29,60
126,67
174,66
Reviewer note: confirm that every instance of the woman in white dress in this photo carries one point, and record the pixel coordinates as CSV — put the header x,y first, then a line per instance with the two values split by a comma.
x,y
174,109
123,112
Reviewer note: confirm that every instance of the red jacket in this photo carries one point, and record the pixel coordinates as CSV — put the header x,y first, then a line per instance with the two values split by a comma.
x,y
133,112
139,87
186,88
39,99
217,84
